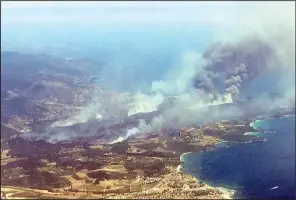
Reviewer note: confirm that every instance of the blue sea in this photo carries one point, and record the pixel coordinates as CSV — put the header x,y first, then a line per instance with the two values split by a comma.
x,y
263,169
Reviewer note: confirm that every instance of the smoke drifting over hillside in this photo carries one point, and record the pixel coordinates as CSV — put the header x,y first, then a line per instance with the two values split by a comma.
x,y
255,40
227,66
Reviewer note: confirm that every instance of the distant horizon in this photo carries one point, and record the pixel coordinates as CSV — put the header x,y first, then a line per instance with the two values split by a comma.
x,y
36,23
142,42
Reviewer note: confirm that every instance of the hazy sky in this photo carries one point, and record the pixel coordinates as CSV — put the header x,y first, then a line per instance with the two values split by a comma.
x,y
48,17
139,35
114,13
130,13
48,22
82,15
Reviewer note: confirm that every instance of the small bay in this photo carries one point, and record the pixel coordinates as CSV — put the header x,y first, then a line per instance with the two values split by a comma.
x,y
262,169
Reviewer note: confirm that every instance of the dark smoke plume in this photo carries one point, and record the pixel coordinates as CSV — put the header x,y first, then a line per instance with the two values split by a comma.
x,y
230,67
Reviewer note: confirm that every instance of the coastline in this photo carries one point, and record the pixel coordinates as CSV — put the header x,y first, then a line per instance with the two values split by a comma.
x,y
226,193
253,123
182,156
229,193
170,179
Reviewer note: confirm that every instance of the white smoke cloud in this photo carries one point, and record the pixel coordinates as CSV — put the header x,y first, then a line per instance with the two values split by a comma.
x,y
143,127
271,22
145,103
188,102
91,111
179,79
